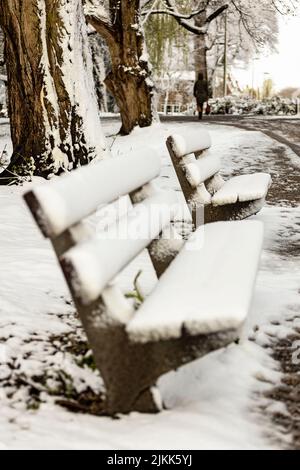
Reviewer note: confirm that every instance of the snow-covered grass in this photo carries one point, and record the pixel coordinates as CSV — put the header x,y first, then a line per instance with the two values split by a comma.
x,y
214,402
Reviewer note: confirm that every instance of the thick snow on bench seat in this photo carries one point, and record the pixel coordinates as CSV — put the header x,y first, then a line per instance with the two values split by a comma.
x,y
243,189
192,142
205,290
66,200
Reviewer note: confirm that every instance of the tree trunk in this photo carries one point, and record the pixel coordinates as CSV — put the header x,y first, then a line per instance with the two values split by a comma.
x,y
53,111
130,78
200,48
98,49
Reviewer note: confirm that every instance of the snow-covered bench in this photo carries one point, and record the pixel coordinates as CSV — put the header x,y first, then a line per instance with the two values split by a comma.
x,y
199,303
209,197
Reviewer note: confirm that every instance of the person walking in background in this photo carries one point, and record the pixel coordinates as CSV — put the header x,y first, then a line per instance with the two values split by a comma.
x,y
201,93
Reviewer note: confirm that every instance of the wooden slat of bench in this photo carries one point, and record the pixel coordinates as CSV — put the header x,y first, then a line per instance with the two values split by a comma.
x,y
201,170
243,188
193,141
205,290
63,202
91,265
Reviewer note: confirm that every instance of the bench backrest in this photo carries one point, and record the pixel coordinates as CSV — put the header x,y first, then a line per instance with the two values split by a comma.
x,y
196,168
68,199
60,205
192,142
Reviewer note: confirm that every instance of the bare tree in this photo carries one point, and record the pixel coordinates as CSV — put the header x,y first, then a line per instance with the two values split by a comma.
x,y
197,21
129,80
254,19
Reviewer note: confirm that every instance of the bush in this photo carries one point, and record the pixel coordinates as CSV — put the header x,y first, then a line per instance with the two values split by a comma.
x,y
247,106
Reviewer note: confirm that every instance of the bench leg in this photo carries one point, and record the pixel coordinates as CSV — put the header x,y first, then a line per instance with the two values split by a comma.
x,y
127,369
130,370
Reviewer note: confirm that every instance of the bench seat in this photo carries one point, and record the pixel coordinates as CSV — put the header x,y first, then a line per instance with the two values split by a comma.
x,y
208,196
205,290
243,188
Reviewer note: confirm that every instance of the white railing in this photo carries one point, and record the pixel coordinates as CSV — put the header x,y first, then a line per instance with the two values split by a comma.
x,y
171,108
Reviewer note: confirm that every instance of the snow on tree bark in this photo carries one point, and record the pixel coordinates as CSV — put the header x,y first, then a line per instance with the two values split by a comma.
x,y
99,54
55,124
130,78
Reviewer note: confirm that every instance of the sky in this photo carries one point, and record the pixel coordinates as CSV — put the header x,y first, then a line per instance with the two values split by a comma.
x,y
284,66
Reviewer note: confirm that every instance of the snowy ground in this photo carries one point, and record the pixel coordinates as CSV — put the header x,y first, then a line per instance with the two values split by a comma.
x,y
217,402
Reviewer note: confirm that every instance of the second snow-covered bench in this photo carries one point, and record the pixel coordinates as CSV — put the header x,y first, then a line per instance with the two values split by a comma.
x,y
209,197
199,303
